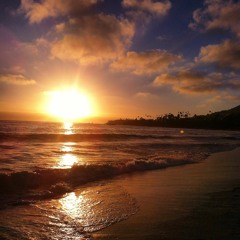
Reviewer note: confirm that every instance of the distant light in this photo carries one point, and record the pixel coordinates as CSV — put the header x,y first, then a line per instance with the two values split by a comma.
x,y
181,131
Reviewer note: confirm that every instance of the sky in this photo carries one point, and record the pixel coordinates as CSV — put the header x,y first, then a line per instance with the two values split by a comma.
x,y
130,57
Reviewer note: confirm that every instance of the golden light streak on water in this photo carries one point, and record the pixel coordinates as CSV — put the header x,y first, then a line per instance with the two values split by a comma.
x,y
71,204
68,127
68,160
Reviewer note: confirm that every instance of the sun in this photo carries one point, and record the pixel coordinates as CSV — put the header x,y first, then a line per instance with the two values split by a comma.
x,y
69,105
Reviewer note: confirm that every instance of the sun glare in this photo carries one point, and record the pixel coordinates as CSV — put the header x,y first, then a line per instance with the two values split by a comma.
x,y
69,105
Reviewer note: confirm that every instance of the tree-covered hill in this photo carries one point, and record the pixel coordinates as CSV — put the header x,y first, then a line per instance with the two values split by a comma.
x,y
227,119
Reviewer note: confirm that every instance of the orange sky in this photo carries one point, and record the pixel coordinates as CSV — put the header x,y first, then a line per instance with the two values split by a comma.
x,y
131,58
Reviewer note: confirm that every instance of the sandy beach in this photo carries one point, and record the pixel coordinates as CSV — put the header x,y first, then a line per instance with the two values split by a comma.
x,y
197,201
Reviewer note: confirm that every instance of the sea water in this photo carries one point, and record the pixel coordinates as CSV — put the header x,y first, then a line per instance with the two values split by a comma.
x,y
54,176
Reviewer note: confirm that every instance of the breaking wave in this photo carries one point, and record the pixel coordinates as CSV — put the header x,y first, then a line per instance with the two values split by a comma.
x,y
78,174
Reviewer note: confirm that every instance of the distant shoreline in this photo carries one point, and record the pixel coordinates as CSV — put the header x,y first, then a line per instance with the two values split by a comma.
x,y
126,123
224,120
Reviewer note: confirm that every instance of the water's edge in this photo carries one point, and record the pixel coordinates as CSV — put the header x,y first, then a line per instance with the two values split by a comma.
x,y
21,188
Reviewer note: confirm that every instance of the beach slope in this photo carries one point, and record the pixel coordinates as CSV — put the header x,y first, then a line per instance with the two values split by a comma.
x,y
197,201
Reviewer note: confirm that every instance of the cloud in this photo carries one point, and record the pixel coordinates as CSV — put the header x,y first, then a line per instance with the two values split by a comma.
x,y
16,56
149,62
38,11
16,79
189,81
218,14
145,95
226,97
94,39
225,55
156,8
221,98
82,36
87,37
60,27
161,38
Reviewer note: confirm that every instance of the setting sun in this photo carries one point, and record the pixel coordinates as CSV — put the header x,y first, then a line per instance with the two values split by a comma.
x,y
69,105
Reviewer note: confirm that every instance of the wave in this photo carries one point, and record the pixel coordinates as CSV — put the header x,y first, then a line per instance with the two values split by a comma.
x,y
100,137
58,181
73,137
25,187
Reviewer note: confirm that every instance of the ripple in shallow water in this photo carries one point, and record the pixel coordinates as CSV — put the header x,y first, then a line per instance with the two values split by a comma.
x,y
73,216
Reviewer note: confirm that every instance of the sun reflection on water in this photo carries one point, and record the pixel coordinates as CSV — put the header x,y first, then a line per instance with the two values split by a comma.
x,y
66,148
98,206
80,207
68,128
71,204
67,159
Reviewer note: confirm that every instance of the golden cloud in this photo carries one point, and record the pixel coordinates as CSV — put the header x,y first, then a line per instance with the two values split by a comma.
x,y
16,79
38,11
94,39
218,14
89,38
149,62
225,55
82,36
157,8
145,95
189,81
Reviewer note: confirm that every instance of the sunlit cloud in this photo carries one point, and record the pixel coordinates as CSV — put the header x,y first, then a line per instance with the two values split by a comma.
x,y
218,14
36,12
149,62
158,8
87,37
190,81
16,79
145,95
225,55
60,27
142,12
223,97
94,39
83,36
219,99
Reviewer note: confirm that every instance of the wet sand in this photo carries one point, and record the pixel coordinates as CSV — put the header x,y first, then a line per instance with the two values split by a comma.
x,y
197,201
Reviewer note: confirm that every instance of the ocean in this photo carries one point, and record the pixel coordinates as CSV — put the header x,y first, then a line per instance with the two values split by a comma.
x,y
54,177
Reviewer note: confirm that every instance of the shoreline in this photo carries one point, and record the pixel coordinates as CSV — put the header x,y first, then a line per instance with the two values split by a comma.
x,y
178,203
192,201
